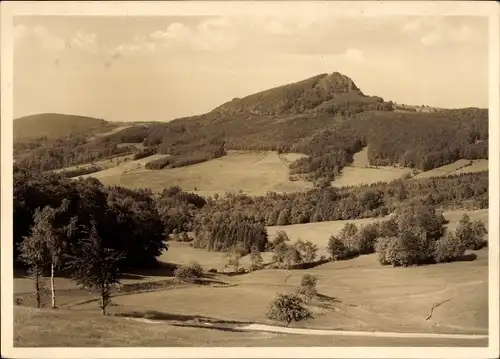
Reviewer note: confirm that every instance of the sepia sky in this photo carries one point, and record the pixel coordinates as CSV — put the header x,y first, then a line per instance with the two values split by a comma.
x,y
161,68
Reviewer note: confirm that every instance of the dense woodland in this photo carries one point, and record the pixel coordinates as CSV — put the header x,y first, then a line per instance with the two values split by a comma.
x,y
139,221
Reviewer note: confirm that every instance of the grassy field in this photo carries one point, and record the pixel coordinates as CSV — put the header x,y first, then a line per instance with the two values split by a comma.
x,y
43,328
359,172
457,167
255,173
357,294
119,167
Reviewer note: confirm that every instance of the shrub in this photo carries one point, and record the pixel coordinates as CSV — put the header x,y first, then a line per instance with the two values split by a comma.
x,y
307,288
308,281
337,249
349,230
471,234
409,249
158,164
143,153
449,248
307,250
288,307
189,272
257,261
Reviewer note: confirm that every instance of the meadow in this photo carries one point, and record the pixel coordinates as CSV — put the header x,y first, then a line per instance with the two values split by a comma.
x,y
255,173
356,294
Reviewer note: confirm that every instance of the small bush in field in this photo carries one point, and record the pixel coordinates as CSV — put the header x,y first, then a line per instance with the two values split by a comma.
x,y
189,272
448,248
307,288
288,307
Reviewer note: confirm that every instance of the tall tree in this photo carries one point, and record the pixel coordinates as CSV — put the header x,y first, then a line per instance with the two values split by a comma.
x,y
33,250
95,266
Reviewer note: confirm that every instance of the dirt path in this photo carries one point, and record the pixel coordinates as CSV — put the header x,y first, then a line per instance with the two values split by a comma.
x,y
345,333
278,329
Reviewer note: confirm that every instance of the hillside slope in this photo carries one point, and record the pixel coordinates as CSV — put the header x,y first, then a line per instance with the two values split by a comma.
x,y
54,125
320,93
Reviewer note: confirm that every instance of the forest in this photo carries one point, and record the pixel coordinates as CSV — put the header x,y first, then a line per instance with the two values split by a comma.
x,y
139,222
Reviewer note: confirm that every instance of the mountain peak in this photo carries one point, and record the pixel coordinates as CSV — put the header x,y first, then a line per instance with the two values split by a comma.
x,y
295,98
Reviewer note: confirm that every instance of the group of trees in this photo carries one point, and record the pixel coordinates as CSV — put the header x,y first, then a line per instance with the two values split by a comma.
x,y
328,204
128,218
46,154
229,232
413,236
286,255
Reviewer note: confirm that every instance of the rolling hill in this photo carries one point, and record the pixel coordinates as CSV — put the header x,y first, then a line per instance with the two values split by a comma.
x,y
54,125
326,117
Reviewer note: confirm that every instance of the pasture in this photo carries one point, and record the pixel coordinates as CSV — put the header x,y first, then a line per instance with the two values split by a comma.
x,y
360,172
357,294
255,173
457,167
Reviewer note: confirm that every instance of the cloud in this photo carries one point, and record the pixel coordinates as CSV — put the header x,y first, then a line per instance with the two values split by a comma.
x,y
354,54
86,41
41,35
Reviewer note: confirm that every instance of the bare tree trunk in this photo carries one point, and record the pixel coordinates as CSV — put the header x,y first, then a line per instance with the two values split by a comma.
x,y
37,287
53,285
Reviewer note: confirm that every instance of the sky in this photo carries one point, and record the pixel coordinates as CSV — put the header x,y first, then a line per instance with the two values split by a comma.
x,y
161,68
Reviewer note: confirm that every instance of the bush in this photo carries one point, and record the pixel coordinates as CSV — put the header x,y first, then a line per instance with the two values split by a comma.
x,y
257,261
308,281
449,248
288,307
158,164
307,288
143,153
410,249
307,250
338,250
189,272
471,234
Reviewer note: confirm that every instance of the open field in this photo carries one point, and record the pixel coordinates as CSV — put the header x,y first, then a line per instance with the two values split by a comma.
x,y
354,295
42,328
255,173
359,172
113,131
358,294
457,167
112,175
105,163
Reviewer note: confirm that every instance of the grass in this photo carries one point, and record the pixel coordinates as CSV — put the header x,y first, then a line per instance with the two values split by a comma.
x,y
45,328
359,172
457,167
120,167
254,172
358,294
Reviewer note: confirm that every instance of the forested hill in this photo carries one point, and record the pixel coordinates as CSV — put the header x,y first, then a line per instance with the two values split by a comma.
x,y
326,117
321,93
55,125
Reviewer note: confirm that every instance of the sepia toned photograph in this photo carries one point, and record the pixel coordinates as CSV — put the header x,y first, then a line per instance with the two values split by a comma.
x,y
249,175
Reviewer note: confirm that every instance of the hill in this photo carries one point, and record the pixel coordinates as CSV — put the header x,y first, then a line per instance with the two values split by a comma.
x,y
53,125
321,93
326,117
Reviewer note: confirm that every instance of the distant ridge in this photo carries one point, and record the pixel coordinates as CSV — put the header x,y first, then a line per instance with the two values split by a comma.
x,y
54,125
